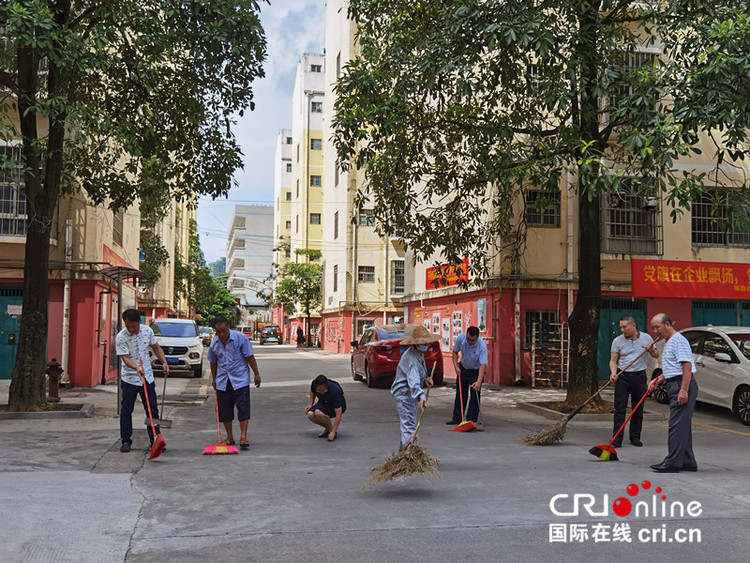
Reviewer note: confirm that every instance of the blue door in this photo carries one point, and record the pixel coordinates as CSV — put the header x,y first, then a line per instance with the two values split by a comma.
x,y
10,322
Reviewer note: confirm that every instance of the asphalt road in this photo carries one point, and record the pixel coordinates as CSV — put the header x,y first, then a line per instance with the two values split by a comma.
x,y
69,495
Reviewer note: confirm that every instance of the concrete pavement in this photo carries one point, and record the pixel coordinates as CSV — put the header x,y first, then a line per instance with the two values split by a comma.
x,y
69,495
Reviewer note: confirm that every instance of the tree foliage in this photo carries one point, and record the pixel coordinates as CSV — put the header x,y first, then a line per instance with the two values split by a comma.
x,y
128,100
454,107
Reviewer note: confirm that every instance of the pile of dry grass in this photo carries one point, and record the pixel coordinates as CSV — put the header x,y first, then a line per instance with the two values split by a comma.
x,y
413,459
549,435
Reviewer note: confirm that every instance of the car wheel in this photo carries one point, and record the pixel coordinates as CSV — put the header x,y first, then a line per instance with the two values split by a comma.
x,y
355,375
742,404
660,391
371,381
198,370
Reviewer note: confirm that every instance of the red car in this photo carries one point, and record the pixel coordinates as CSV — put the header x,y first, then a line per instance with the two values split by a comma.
x,y
376,355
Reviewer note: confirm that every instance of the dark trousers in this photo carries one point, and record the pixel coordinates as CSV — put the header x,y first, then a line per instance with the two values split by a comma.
x,y
680,441
129,393
470,396
630,385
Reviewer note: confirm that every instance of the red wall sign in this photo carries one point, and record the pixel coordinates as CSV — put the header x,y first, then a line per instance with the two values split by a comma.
x,y
697,280
447,274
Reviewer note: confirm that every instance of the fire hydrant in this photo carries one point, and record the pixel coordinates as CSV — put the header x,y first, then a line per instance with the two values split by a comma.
x,y
54,373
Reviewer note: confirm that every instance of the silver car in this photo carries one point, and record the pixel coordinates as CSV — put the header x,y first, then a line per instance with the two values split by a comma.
x,y
722,361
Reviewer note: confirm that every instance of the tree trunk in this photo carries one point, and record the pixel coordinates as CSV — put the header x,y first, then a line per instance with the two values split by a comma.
x,y
27,389
584,320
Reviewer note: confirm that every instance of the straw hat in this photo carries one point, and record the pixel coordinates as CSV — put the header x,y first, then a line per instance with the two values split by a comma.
x,y
417,334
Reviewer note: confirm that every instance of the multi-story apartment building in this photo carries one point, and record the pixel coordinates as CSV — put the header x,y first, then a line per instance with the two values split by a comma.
x,y
94,259
282,211
363,276
691,268
249,260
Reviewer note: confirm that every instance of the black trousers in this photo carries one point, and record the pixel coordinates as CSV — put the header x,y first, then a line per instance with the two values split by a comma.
x,y
129,394
470,396
630,385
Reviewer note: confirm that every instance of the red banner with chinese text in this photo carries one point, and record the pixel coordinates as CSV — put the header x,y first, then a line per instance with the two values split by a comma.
x,y
447,274
697,280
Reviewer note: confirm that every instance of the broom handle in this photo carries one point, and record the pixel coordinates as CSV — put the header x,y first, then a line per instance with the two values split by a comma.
x,y
603,387
163,392
427,395
630,416
218,425
148,403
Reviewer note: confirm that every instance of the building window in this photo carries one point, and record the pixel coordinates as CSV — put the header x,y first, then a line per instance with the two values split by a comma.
x,y
712,223
336,225
297,188
315,218
288,196
366,218
336,175
13,219
366,274
316,144
288,254
296,223
315,181
397,277
362,326
117,221
338,65
542,208
288,166
630,221
288,225
544,326
316,107
629,68
288,140
335,277
316,68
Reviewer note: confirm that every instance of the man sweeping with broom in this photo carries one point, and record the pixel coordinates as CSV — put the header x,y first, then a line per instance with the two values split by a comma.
x,y
411,376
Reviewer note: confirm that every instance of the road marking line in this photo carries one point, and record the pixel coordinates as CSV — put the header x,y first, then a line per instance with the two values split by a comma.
x,y
721,429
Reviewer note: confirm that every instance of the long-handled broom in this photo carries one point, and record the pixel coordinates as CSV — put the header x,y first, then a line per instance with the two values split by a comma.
x,y
412,459
556,432
606,451
162,422
159,442
219,448
464,425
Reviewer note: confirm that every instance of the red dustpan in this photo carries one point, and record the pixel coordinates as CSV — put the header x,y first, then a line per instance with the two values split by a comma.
x,y
464,425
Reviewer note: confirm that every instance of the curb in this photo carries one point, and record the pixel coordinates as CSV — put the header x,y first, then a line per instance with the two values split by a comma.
x,y
81,410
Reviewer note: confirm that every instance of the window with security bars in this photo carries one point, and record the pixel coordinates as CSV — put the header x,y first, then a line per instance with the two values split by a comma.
x,y
711,219
631,223
629,66
366,274
117,221
315,218
13,220
542,209
335,277
366,218
549,327
397,277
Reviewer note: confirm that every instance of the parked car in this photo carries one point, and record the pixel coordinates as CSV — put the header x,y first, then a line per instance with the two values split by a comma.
x,y
722,362
182,345
246,330
377,353
270,333
207,335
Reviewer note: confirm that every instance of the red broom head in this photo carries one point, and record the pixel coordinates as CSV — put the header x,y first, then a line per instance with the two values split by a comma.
x,y
465,426
159,444
220,449
605,452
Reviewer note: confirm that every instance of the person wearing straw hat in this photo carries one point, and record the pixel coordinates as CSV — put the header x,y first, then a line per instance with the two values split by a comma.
x,y
470,371
411,376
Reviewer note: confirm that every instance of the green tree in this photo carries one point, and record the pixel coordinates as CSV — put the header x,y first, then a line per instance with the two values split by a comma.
x,y
220,303
297,285
128,100
454,107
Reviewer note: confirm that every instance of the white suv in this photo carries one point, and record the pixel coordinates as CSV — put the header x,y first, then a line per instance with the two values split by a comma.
x,y
182,345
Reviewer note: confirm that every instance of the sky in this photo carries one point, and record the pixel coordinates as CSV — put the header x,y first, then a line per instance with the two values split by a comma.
x,y
292,27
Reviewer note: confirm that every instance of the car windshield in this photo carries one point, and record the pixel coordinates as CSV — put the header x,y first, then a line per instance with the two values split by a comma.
x,y
743,343
270,328
389,334
174,330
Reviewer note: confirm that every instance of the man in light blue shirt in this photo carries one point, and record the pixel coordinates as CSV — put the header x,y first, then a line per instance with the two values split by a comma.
x,y
230,354
678,368
470,371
